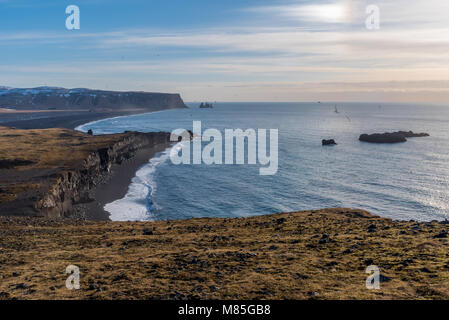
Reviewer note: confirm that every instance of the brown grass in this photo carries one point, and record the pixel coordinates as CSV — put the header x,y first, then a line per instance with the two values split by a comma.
x,y
25,151
49,148
267,257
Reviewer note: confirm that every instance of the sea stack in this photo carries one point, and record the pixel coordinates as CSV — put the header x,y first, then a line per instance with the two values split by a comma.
x,y
390,137
329,142
206,105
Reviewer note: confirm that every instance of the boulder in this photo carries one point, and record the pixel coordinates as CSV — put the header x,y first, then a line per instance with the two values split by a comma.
x,y
328,142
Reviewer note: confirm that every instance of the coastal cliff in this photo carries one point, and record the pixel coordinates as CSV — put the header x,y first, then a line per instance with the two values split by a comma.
x,y
49,98
73,187
47,172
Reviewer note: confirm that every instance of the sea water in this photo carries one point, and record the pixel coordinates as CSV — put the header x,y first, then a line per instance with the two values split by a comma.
x,y
402,181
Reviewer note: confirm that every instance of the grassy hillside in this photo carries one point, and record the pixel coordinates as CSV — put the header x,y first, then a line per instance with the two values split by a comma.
x,y
319,254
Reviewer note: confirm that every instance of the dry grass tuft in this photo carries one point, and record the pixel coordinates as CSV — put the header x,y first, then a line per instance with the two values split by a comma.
x,y
318,254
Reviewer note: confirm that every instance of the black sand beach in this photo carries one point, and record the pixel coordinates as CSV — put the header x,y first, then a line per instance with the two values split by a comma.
x,y
67,120
115,185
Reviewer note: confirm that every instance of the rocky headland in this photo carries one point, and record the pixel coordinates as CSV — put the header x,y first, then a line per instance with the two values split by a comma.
x,y
53,172
50,98
53,107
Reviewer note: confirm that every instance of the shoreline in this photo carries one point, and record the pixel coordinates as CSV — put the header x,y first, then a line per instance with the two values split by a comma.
x,y
113,187
116,183
80,127
69,121
108,186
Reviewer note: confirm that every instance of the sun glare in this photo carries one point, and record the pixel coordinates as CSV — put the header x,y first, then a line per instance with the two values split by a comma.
x,y
335,11
326,13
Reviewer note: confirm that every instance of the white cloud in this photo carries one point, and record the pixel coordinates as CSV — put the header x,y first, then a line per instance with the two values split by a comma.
x,y
325,48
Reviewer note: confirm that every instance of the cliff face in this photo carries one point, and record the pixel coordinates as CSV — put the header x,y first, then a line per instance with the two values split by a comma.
x,y
94,100
47,172
73,187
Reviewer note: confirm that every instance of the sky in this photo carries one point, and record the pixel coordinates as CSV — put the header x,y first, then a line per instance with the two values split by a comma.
x,y
233,50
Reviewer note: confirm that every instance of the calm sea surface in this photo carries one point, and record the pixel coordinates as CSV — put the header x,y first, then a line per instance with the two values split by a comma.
x,y
402,181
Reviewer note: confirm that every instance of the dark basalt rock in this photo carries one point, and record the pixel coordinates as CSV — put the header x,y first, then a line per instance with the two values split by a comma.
x,y
390,137
206,105
329,142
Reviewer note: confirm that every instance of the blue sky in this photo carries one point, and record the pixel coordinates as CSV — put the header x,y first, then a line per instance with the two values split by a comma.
x,y
233,50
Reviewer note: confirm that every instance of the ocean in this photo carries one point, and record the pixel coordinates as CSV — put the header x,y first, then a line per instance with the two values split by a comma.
x,y
401,181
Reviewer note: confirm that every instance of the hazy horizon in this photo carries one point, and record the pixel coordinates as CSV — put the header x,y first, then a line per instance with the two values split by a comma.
x,y
233,51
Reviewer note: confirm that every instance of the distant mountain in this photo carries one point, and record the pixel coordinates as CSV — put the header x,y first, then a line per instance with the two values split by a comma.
x,y
80,98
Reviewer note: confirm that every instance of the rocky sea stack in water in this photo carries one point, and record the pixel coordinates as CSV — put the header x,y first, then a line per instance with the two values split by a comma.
x,y
206,105
329,142
390,137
